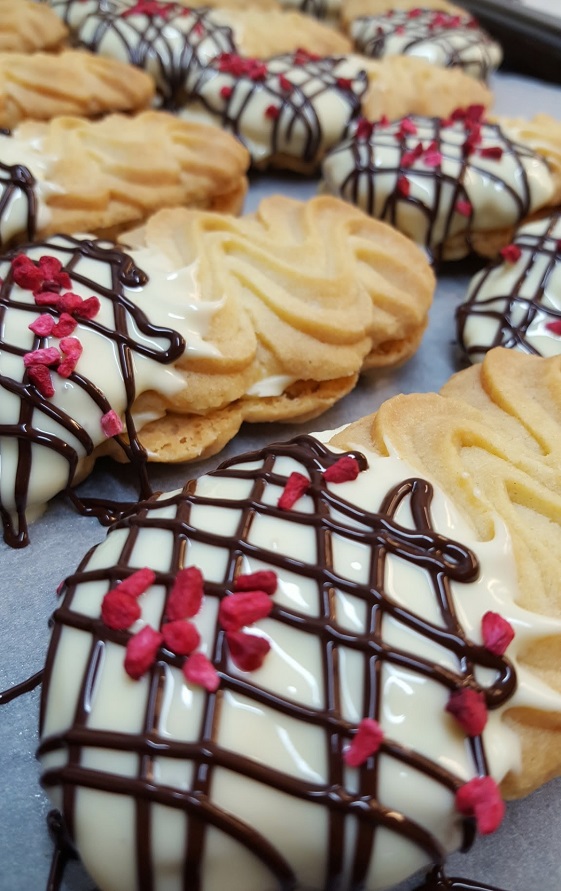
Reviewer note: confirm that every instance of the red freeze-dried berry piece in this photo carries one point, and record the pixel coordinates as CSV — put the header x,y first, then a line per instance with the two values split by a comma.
x,y
481,798
364,129
88,308
137,583
69,302
343,471
46,298
72,349
54,276
181,637
111,423
295,487
200,671
262,580
365,742
186,596
142,649
43,325
119,610
409,158
492,151
26,274
511,253
403,186
344,83
65,325
285,84
243,608
248,651
46,356
272,112
496,631
554,327
226,91
432,159
469,709
40,377
464,207
407,127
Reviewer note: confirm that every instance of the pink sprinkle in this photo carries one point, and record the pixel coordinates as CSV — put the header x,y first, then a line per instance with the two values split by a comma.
x,y
469,709
111,424
142,650
554,327
186,596
138,582
181,637
65,325
344,470
48,356
511,253
200,671
248,651
481,798
243,608
43,325
496,631
433,159
262,580
464,207
366,742
296,485
40,377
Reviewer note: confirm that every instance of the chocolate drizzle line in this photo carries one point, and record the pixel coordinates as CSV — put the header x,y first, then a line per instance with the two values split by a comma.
x,y
437,881
524,303
297,118
13,179
28,429
360,185
426,27
444,560
172,44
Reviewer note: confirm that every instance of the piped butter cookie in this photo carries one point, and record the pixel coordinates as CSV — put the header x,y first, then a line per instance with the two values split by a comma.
x,y
310,665
27,27
75,175
454,185
160,348
515,301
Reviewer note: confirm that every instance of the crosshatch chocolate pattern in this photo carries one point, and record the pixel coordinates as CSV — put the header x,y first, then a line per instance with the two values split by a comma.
x,y
331,516
16,181
25,425
524,303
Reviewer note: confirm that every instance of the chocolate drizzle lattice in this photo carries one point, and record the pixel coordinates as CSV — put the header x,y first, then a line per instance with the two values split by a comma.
x,y
30,420
17,181
512,305
328,519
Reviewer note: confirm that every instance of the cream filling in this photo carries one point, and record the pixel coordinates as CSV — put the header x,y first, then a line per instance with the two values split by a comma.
x,y
412,706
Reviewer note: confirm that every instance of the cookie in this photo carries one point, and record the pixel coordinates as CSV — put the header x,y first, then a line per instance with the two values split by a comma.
x,y
291,109
40,86
456,185
301,726
174,43
515,301
444,39
76,175
27,27
353,9
268,317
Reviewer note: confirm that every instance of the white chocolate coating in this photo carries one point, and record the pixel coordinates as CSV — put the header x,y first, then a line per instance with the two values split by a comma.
x,y
29,153
450,193
511,302
443,39
298,124
412,705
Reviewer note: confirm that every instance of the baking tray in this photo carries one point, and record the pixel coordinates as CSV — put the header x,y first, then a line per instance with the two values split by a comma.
x,y
522,856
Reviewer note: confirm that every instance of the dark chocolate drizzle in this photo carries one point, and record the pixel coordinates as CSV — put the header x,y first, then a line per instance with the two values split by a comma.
x,y
13,179
170,42
360,185
437,881
444,560
28,429
230,99
514,311
455,33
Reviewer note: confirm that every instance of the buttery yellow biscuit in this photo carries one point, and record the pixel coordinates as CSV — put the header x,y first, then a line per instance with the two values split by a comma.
x,y
42,85
26,27
267,33
491,439
101,176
